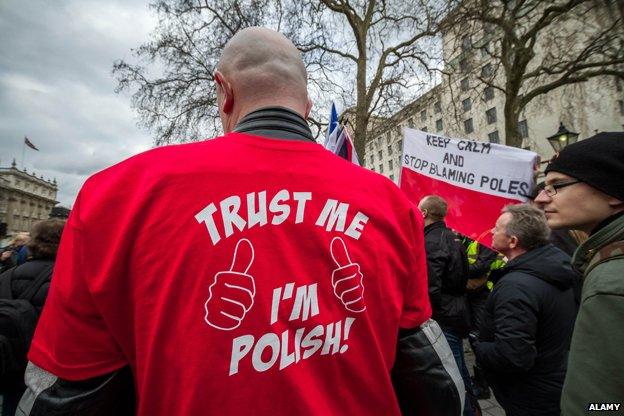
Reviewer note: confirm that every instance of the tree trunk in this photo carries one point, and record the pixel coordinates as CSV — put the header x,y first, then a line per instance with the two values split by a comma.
x,y
512,114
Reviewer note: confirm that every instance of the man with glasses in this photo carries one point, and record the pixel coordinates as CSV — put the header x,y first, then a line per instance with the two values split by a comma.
x,y
585,191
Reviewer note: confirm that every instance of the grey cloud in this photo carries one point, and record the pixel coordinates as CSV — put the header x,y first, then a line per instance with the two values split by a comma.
x,y
56,86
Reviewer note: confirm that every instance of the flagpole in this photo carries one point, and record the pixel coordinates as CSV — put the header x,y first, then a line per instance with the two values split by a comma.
x,y
23,151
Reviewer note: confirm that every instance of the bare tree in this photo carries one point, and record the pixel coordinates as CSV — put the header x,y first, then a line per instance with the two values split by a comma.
x,y
536,47
172,78
376,54
370,56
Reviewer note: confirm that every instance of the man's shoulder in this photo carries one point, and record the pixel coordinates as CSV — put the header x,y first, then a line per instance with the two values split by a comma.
x,y
605,278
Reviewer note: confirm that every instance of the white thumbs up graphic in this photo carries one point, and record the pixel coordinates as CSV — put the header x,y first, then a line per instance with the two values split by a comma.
x,y
347,278
232,292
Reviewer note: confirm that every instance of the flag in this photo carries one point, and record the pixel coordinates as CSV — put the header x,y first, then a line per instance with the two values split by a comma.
x,y
333,123
29,144
346,150
477,179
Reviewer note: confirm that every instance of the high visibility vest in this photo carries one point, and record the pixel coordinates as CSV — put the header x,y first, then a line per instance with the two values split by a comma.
x,y
473,252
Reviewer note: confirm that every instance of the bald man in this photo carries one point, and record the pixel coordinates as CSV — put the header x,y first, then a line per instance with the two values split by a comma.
x,y
256,273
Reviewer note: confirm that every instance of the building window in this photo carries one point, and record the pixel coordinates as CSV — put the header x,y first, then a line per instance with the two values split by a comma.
x,y
380,168
621,103
468,127
464,84
410,123
424,129
523,129
389,149
391,177
488,93
493,137
490,115
486,71
388,137
390,165
618,84
400,143
466,43
423,115
464,66
439,124
372,160
467,104
437,107
380,154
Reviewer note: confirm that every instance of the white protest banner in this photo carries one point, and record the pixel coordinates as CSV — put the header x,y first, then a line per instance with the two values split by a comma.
x,y
476,178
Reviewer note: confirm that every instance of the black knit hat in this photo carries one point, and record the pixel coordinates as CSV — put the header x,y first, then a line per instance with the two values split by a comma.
x,y
598,161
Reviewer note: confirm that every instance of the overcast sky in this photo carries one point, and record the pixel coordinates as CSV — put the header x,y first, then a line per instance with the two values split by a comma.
x,y
56,86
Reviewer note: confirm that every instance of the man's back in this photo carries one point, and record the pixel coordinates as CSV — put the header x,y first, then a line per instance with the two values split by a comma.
x,y
243,274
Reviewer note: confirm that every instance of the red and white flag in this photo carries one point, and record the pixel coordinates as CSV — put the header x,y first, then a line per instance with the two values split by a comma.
x,y
477,179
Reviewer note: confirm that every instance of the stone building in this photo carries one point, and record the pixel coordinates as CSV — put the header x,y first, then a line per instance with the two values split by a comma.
x,y
24,199
461,106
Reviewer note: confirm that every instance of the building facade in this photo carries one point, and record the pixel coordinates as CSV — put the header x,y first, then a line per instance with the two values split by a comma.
x,y
462,106
24,199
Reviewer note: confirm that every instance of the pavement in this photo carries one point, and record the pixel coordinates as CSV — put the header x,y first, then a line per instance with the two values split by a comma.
x,y
489,407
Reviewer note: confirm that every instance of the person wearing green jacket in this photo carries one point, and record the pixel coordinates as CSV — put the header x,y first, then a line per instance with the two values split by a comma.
x,y
585,191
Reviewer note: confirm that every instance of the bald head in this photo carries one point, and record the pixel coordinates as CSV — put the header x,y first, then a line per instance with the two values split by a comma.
x,y
260,67
433,207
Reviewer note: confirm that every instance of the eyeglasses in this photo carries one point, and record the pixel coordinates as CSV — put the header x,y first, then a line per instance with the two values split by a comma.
x,y
551,190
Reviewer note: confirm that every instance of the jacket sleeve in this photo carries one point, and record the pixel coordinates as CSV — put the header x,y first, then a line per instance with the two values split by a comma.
x,y
48,395
515,327
425,375
436,265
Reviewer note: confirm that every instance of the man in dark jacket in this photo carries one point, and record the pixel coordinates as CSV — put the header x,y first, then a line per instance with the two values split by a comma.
x,y
525,334
447,264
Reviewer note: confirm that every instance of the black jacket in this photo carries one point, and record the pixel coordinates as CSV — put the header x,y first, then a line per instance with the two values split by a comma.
x,y
526,330
23,275
447,265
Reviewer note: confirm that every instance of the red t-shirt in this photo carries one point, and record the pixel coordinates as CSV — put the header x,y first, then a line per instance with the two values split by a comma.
x,y
241,275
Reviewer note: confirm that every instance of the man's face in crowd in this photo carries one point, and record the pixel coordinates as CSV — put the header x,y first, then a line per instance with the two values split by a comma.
x,y
500,240
578,206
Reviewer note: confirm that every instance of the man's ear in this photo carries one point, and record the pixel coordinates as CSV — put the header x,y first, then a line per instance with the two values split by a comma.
x,y
513,241
308,108
226,90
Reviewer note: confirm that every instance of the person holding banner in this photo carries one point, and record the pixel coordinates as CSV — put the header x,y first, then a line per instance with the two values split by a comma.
x,y
297,285
523,339
585,191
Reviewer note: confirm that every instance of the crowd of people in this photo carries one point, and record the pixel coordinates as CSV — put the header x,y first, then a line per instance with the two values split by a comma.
x,y
259,273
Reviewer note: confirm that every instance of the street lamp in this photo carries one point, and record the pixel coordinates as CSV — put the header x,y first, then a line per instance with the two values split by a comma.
x,y
562,138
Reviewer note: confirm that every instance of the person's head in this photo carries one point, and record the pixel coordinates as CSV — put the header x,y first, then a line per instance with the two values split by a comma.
x,y
20,239
433,209
585,183
45,238
258,68
520,228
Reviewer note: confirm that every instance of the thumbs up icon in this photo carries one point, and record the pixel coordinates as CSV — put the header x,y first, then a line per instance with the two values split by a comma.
x,y
347,278
232,292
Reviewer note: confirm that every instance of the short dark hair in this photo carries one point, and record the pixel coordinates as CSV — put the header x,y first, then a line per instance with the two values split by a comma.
x,y
436,207
45,237
528,224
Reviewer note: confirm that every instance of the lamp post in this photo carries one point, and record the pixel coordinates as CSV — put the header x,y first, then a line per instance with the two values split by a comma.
x,y
562,138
